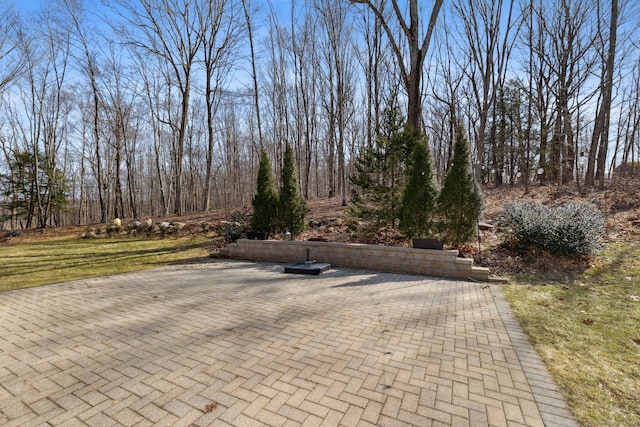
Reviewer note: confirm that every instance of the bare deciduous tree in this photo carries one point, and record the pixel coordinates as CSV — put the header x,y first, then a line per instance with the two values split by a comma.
x,y
254,73
337,56
169,30
89,65
418,46
221,32
488,29
570,62
11,65
41,121
600,140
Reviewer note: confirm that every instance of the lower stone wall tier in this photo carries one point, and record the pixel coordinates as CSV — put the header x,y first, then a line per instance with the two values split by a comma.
x,y
427,262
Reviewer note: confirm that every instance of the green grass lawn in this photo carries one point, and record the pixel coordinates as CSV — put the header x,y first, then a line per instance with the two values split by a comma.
x,y
587,330
24,265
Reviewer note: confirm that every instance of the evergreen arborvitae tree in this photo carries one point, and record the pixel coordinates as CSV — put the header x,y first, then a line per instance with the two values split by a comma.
x,y
460,201
417,211
369,196
292,207
265,202
34,192
381,171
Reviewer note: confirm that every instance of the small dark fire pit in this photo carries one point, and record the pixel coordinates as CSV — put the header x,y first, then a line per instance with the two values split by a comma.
x,y
307,267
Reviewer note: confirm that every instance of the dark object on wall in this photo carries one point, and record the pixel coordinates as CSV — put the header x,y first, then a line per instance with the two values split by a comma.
x,y
257,235
428,243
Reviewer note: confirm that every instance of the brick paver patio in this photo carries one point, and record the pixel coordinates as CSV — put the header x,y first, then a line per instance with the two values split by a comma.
x,y
239,343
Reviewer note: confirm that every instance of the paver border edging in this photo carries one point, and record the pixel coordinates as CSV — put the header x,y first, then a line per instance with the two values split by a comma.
x,y
551,403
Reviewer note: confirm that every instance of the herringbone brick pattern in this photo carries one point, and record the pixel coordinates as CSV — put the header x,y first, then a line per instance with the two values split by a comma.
x,y
241,344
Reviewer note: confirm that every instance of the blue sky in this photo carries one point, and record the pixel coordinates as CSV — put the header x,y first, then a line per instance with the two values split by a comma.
x,y
25,5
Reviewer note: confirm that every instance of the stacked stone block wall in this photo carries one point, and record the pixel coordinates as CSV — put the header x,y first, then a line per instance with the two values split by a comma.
x,y
427,262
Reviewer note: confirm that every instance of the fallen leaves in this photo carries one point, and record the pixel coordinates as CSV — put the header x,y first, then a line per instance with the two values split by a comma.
x,y
210,407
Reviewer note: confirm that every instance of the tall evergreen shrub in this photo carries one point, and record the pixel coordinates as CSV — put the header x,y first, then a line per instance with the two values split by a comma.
x,y
381,172
460,202
265,202
32,192
417,211
292,207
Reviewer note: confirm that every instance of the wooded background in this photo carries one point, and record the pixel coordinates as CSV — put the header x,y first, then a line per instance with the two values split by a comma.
x,y
143,108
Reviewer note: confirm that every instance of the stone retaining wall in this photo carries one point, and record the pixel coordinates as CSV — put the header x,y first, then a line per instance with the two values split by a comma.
x,y
427,262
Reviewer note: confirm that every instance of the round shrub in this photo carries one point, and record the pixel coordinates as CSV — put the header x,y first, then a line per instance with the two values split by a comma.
x,y
572,229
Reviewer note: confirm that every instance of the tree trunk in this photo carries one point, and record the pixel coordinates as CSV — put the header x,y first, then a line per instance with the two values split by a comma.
x,y
412,77
607,89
